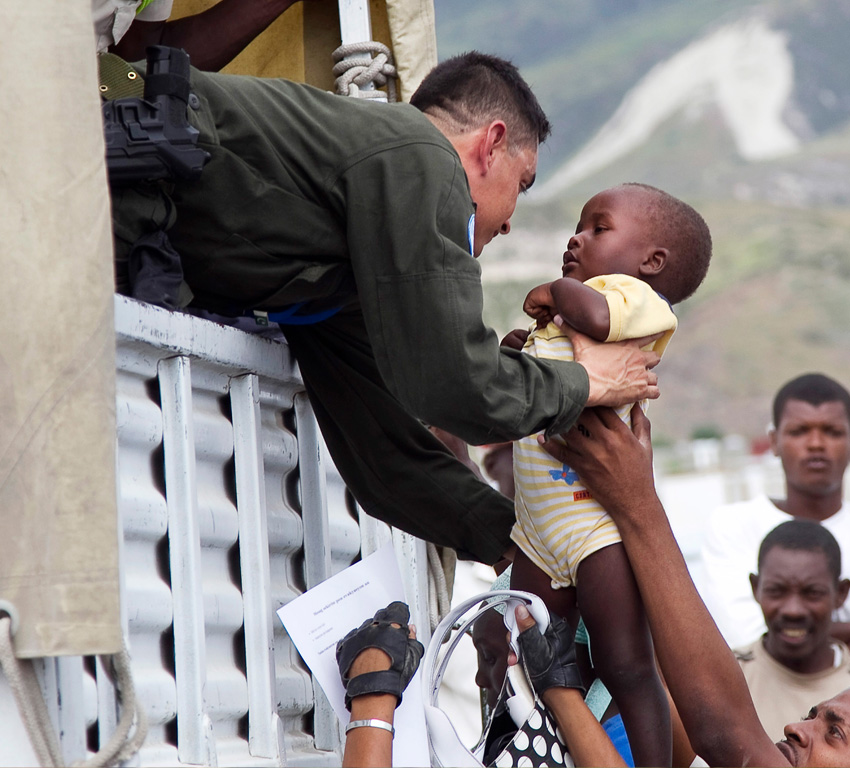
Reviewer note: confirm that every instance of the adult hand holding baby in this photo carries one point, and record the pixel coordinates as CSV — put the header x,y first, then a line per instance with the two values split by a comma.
x,y
619,372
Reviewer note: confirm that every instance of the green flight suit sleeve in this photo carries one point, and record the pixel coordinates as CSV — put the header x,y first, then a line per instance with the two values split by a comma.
x,y
421,296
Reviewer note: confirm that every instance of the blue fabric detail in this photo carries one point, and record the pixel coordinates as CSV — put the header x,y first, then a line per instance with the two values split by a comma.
x,y
581,633
617,733
288,316
567,474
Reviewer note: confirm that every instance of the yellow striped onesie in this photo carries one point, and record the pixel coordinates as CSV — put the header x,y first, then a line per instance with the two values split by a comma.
x,y
558,523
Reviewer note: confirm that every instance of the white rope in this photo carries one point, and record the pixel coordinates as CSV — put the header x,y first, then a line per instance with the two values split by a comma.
x,y
121,745
353,71
27,692
33,710
439,600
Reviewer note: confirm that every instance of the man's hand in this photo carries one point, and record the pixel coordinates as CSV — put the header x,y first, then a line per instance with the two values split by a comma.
x,y
619,372
515,339
549,658
613,461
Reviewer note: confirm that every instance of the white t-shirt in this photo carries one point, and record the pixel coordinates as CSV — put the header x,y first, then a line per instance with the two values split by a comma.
x,y
730,554
112,18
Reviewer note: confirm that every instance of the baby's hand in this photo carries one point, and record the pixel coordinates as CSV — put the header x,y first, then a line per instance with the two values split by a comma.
x,y
539,304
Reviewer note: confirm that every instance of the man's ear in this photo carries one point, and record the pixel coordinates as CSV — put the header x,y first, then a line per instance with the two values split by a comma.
x,y
841,592
494,141
654,262
754,585
774,439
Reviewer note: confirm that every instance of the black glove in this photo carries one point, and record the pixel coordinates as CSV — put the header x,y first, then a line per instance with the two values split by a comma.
x,y
404,652
550,659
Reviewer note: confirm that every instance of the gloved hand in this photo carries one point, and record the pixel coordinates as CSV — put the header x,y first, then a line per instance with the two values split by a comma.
x,y
550,659
379,632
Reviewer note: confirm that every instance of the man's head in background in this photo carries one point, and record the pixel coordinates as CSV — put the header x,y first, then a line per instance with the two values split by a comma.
x,y
798,586
498,465
811,435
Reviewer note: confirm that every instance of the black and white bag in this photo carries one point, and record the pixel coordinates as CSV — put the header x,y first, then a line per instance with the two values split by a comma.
x,y
537,741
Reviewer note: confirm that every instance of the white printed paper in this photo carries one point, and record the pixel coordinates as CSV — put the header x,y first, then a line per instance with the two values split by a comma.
x,y
325,614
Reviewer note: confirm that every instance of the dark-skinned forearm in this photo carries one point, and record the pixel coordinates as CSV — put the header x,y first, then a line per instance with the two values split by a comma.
x,y
212,38
585,738
702,675
582,307
370,747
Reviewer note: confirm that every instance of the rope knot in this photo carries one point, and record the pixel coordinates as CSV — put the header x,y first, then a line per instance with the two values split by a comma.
x,y
356,67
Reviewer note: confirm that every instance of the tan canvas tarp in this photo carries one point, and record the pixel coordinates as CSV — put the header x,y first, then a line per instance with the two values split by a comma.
x,y
414,41
58,532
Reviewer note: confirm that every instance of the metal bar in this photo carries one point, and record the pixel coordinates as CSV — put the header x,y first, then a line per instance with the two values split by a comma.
x,y
317,550
254,560
413,559
72,709
185,558
314,501
355,23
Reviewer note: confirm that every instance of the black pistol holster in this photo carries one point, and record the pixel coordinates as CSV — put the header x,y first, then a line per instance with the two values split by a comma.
x,y
149,143
150,138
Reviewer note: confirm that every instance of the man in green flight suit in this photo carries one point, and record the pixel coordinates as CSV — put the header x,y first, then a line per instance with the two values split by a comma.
x,y
372,216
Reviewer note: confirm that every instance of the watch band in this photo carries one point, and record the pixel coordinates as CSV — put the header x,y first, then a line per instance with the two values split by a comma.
x,y
383,724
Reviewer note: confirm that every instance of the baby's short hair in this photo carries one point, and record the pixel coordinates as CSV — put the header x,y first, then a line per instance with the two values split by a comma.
x,y
680,229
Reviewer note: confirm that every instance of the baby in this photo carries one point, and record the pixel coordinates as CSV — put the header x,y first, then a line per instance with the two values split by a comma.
x,y
636,251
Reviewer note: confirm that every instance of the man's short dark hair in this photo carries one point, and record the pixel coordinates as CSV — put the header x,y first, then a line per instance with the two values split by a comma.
x,y
804,536
678,227
812,388
473,89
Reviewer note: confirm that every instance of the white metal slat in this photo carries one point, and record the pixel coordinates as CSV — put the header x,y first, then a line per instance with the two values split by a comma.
x,y
146,595
317,555
185,559
293,693
263,722
226,687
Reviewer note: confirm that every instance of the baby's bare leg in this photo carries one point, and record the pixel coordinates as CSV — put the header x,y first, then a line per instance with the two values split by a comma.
x,y
527,576
621,647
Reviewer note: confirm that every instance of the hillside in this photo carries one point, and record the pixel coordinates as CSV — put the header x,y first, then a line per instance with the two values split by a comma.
x,y
743,110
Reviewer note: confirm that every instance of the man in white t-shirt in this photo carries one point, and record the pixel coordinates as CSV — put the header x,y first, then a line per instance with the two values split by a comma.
x,y
811,435
797,662
212,38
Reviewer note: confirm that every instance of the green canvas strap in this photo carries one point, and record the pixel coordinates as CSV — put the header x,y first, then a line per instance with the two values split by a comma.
x,y
118,79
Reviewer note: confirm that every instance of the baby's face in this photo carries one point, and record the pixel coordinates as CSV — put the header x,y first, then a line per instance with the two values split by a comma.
x,y
612,236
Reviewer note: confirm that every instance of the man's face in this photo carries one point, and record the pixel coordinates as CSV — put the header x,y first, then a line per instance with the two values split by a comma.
x,y
489,637
495,194
823,738
613,236
797,594
813,442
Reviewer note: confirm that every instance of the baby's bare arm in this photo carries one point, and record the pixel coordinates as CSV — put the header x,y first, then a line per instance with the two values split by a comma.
x,y
539,304
582,307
